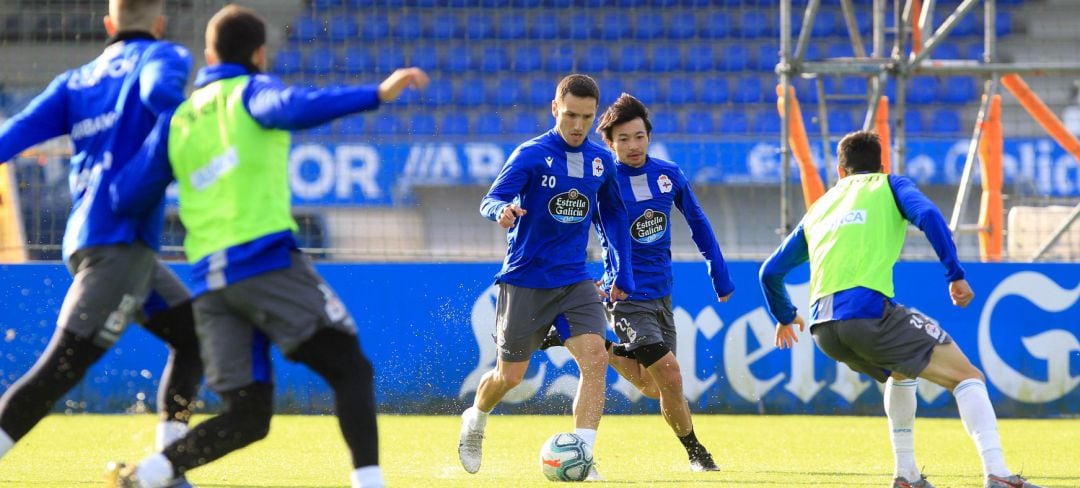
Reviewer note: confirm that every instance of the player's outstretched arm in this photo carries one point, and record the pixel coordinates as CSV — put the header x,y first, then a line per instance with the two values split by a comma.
x,y
960,293
401,79
701,232
919,210
791,253
44,118
499,203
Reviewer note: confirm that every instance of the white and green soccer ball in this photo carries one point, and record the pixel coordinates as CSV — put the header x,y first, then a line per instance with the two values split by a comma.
x,y
565,457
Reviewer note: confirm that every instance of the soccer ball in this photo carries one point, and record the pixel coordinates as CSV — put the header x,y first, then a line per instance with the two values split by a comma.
x,y
565,457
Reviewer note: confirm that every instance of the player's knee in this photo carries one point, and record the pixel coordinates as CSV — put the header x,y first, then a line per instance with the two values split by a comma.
x,y
251,408
669,376
507,378
591,361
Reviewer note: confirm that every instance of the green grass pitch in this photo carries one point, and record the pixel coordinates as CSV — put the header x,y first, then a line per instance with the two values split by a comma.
x,y
420,451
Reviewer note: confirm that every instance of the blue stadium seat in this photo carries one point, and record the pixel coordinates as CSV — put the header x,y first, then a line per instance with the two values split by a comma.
x,y
945,121
428,3
1003,21
864,20
748,89
388,124
768,54
593,3
805,91
389,58
445,26
648,29
699,122
409,27
630,3
666,57
374,28
422,124
540,91
488,124
425,57
579,30
527,3
470,92
505,92
734,122
663,3
754,23
460,59
325,4
439,93
679,90
494,3
560,59
647,90
342,28
913,122
632,57
524,122
614,26
922,89
494,59
527,58
813,52
478,26
699,57
974,51
968,25
736,57
288,61
840,50
356,60
352,125
826,24
559,3
717,25
544,27
321,130
767,122
959,89
320,61
610,89
841,121
682,25
714,90
459,3
696,3
947,50
305,29
594,59
666,122
511,25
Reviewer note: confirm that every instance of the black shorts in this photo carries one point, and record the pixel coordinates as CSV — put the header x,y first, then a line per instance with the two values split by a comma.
x,y
900,341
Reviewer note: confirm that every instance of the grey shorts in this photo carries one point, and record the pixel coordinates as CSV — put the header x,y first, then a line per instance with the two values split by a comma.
x,y
523,316
236,324
638,323
166,291
901,341
110,284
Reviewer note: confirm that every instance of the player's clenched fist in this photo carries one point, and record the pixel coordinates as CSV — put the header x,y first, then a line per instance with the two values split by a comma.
x,y
400,79
509,215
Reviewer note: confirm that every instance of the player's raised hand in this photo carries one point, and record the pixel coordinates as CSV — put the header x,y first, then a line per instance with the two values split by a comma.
x,y
400,79
617,294
960,292
725,298
785,333
509,215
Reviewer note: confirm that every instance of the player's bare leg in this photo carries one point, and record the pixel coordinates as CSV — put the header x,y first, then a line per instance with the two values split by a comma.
x,y
636,374
493,387
592,359
950,368
667,375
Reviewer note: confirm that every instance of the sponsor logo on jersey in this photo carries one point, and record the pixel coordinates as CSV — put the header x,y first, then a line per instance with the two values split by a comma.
x,y
649,227
852,217
90,76
570,207
94,125
597,167
549,160
664,183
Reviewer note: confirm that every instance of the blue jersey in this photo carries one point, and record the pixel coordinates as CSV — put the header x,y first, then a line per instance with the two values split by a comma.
x,y
649,193
273,105
108,106
562,189
858,302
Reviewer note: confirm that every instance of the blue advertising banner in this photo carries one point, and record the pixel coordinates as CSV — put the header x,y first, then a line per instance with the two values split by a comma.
x,y
384,174
428,330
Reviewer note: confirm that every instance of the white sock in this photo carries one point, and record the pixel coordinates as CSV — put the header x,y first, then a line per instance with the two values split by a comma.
x,y
167,432
476,418
979,419
367,477
589,435
6,443
900,405
154,471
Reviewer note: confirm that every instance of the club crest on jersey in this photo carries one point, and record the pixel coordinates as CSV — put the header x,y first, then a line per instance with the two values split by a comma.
x,y
649,227
570,207
597,167
664,183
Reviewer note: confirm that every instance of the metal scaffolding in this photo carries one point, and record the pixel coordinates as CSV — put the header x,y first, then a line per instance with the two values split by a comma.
x,y
879,67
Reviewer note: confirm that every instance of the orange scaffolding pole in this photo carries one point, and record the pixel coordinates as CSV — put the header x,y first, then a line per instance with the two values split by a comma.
x,y
1041,113
812,186
991,208
916,30
881,126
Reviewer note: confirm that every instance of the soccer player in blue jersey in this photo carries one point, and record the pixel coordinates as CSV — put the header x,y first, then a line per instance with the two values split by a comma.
x,y
547,194
852,237
108,106
644,322
227,147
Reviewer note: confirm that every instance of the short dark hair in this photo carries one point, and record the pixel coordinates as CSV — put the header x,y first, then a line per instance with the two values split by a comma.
x,y
579,86
860,152
235,33
134,13
625,109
